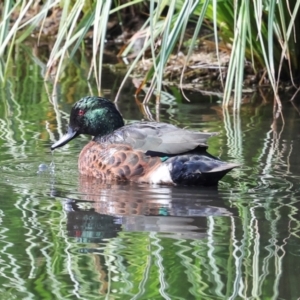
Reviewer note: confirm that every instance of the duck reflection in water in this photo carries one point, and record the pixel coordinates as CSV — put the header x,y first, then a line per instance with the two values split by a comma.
x,y
103,210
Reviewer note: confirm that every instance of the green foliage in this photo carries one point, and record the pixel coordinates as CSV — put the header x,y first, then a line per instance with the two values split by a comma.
x,y
262,33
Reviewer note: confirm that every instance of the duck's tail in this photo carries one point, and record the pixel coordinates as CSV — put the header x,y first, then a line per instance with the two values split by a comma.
x,y
197,169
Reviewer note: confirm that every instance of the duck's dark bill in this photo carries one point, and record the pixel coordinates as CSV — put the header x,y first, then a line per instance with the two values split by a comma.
x,y
70,135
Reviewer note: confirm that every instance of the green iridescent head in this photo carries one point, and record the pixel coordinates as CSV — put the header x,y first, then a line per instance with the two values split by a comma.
x,y
95,116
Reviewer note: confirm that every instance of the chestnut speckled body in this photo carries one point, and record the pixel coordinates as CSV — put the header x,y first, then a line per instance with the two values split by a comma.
x,y
150,152
116,162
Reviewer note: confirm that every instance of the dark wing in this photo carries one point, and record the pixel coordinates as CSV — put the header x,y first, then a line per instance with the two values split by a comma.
x,y
158,137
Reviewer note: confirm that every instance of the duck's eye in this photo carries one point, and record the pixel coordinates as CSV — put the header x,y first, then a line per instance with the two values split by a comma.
x,y
81,112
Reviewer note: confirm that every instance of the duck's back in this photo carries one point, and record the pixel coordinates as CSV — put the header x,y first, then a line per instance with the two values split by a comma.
x,y
157,138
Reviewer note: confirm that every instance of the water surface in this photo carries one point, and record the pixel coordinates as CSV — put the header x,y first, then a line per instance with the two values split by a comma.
x,y
63,236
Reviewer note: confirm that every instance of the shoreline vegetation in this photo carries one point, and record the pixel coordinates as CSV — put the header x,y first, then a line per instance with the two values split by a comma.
x,y
208,46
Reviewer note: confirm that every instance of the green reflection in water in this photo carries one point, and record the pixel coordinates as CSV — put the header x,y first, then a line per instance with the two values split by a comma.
x,y
62,238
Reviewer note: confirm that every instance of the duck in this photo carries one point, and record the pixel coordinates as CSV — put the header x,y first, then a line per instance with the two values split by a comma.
x,y
145,151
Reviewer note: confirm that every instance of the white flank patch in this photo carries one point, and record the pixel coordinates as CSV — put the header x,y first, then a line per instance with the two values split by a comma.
x,y
161,175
